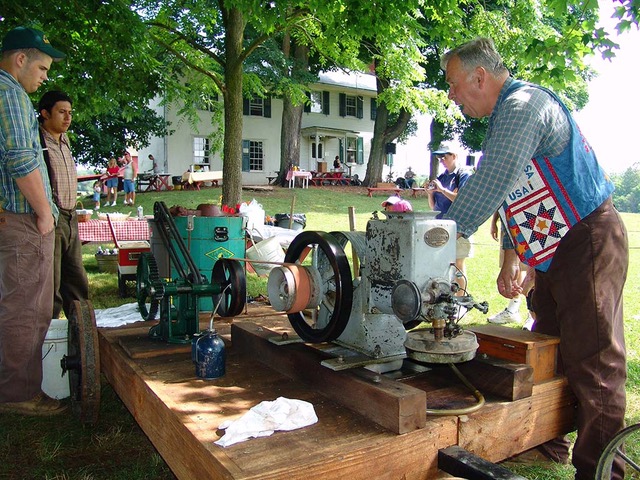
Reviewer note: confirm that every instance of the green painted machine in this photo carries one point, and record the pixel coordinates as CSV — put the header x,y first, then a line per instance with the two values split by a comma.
x,y
178,298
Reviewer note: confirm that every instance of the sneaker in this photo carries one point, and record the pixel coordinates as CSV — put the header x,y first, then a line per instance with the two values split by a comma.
x,y
505,316
40,405
113,204
97,207
528,323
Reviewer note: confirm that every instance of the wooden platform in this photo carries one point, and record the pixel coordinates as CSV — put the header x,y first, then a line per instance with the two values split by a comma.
x,y
180,413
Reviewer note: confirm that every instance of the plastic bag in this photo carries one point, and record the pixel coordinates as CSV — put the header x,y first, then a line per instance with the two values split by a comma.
x,y
254,213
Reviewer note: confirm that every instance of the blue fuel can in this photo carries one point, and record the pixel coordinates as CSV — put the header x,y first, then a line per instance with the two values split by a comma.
x,y
208,353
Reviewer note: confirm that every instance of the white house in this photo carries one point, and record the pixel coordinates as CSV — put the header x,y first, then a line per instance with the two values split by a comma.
x,y
338,122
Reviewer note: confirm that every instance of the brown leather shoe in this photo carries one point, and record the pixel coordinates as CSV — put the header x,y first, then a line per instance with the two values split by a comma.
x,y
40,405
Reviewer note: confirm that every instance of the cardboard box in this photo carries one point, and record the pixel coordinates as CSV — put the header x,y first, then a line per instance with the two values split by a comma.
x,y
322,166
534,349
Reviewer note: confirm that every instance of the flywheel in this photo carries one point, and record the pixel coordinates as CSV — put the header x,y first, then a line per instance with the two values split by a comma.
x,y
82,363
149,286
228,274
328,320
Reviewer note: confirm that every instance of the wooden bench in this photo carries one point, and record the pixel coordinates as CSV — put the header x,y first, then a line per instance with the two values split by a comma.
x,y
416,190
318,181
383,187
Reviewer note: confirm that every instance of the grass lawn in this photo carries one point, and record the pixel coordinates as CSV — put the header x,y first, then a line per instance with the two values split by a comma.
x,y
116,448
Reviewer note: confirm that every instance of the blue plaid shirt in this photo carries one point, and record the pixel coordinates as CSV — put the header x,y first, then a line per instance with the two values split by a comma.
x,y
20,149
527,123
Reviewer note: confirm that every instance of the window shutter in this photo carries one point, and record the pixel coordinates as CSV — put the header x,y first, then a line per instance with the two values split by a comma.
x,y
246,145
343,104
245,106
360,151
325,103
307,106
267,107
341,149
374,108
359,106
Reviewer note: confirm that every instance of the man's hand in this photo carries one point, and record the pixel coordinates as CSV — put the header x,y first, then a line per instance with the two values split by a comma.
x,y
507,282
45,224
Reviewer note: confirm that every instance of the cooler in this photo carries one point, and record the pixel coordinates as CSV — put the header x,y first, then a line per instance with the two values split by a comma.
x,y
128,255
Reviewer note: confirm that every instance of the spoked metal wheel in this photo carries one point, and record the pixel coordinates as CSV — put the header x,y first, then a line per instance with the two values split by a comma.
x,y
626,447
228,274
326,322
82,363
149,287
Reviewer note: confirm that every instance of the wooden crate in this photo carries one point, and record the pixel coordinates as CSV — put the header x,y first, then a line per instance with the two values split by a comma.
x,y
534,349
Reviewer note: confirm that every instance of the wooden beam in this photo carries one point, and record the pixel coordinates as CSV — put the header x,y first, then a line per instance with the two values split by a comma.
x,y
393,405
509,380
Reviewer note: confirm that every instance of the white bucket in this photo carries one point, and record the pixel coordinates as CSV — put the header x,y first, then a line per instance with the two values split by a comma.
x,y
268,250
53,349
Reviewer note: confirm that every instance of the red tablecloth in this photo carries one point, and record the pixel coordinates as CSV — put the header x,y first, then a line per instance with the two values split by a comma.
x,y
98,231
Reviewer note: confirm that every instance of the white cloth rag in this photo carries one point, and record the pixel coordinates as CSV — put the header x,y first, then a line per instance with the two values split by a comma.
x,y
267,417
122,315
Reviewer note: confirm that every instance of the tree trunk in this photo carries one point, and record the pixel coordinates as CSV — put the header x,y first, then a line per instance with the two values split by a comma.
x,y
383,133
291,115
232,150
437,136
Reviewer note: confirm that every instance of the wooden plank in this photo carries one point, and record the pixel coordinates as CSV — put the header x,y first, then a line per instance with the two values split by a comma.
x,y
141,346
458,461
180,414
400,408
509,380
496,433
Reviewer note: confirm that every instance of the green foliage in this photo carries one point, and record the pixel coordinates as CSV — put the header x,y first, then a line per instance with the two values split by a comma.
x,y
111,71
626,196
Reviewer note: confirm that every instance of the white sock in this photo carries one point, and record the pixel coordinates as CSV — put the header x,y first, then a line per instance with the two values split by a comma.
x,y
514,305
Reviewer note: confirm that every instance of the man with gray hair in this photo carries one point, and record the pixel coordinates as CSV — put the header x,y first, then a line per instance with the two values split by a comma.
x,y
555,204
27,221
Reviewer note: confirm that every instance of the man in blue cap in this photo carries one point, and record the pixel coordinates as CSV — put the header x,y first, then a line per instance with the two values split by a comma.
x,y
27,221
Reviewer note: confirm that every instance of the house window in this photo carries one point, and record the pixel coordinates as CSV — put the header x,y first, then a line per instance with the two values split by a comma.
x,y
316,102
319,152
351,149
252,156
257,107
200,150
351,105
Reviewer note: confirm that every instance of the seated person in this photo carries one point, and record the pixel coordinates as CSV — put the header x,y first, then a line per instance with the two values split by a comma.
x,y
409,178
336,163
401,183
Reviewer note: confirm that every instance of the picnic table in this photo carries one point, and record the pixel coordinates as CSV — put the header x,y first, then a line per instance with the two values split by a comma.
x,y
196,179
328,178
98,231
153,182
304,176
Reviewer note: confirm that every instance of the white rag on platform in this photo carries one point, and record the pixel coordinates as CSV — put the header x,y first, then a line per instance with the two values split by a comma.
x,y
267,417
122,315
